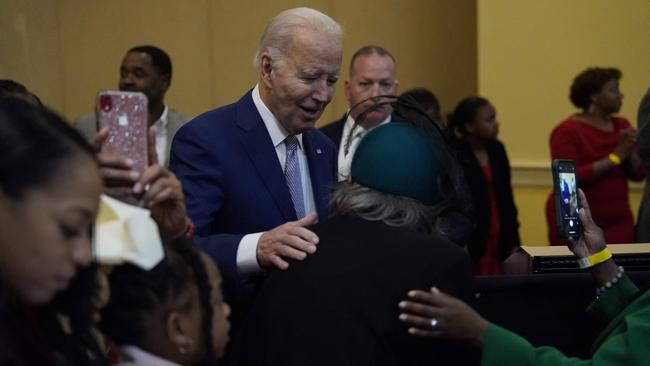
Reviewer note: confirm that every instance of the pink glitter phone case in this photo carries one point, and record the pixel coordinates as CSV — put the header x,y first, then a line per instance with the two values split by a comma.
x,y
125,114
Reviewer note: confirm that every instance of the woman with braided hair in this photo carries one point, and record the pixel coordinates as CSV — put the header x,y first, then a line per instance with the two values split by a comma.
x,y
171,314
49,196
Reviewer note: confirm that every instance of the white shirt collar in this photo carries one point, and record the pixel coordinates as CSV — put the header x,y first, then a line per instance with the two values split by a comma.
x,y
277,132
137,356
162,121
359,130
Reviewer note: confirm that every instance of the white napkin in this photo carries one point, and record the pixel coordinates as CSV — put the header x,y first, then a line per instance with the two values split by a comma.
x,y
126,233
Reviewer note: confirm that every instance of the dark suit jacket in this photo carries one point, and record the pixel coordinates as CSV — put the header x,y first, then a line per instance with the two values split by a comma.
x,y
334,130
509,235
234,184
339,306
643,122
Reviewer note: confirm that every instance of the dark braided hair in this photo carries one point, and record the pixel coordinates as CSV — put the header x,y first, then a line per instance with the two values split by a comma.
x,y
464,113
190,253
36,146
426,99
135,293
13,89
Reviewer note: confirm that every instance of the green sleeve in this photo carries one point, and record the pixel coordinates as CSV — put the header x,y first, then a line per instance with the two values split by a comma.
x,y
503,347
613,301
625,340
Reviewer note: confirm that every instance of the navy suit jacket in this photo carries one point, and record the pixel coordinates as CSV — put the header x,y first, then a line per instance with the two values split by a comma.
x,y
234,184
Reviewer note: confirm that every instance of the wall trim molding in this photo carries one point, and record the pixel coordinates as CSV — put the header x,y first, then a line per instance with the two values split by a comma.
x,y
536,174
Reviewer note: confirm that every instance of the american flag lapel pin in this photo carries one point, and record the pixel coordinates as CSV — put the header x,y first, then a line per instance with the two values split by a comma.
x,y
319,151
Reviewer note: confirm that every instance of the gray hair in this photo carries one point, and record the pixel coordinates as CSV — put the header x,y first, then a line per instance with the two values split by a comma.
x,y
354,199
279,32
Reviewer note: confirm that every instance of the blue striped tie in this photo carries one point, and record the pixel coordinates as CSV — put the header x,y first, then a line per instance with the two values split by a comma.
x,y
292,175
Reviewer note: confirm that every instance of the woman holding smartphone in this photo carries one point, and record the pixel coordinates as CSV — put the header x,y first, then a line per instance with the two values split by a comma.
x,y
605,151
624,341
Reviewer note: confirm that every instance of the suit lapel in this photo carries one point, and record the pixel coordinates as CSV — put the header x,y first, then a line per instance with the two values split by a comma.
x,y
338,135
256,141
317,172
174,121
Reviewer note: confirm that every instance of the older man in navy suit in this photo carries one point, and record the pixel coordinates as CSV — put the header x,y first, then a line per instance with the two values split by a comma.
x,y
255,173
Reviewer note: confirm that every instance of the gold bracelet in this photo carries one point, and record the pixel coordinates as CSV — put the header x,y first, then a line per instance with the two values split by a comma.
x,y
615,159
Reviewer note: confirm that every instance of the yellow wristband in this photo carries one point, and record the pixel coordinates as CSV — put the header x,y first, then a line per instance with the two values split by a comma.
x,y
614,159
599,257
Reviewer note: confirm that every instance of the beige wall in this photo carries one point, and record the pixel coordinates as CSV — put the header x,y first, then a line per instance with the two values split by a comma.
x,y
529,51
67,50
521,54
29,40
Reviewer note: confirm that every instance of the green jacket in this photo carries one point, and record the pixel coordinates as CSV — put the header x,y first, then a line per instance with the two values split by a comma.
x,y
625,341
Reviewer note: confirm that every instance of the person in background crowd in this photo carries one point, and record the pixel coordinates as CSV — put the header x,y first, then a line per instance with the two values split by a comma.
x,y
427,100
473,129
619,304
604,148
173,312
372,74
146,69
643,120
49,196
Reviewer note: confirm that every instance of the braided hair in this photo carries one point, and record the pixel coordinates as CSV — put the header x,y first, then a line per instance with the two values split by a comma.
x,y
135,293
191,255
464,113
36,146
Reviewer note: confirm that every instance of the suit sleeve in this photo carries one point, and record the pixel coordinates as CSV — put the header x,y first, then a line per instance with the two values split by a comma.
x,y
639,173
201,176
503,347
644,129
509,199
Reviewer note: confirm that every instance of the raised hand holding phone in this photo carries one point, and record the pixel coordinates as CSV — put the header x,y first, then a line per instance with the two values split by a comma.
x,y
567,206
159,190
121,142
126,151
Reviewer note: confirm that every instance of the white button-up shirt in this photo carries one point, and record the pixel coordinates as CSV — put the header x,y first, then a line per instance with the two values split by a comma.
x,y
346,155
247,250
161,137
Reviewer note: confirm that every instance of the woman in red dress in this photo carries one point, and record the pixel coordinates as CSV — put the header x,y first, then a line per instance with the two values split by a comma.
x,y
605,151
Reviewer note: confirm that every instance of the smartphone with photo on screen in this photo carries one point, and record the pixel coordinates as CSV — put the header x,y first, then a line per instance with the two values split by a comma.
x,y
125,114
565,189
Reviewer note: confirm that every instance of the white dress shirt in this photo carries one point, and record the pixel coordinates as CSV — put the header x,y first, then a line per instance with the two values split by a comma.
x,y
247,250
161,137
346,155
134,356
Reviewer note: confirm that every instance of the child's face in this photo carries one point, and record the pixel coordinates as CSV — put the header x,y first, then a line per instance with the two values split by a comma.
x,y
221,310
485,125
